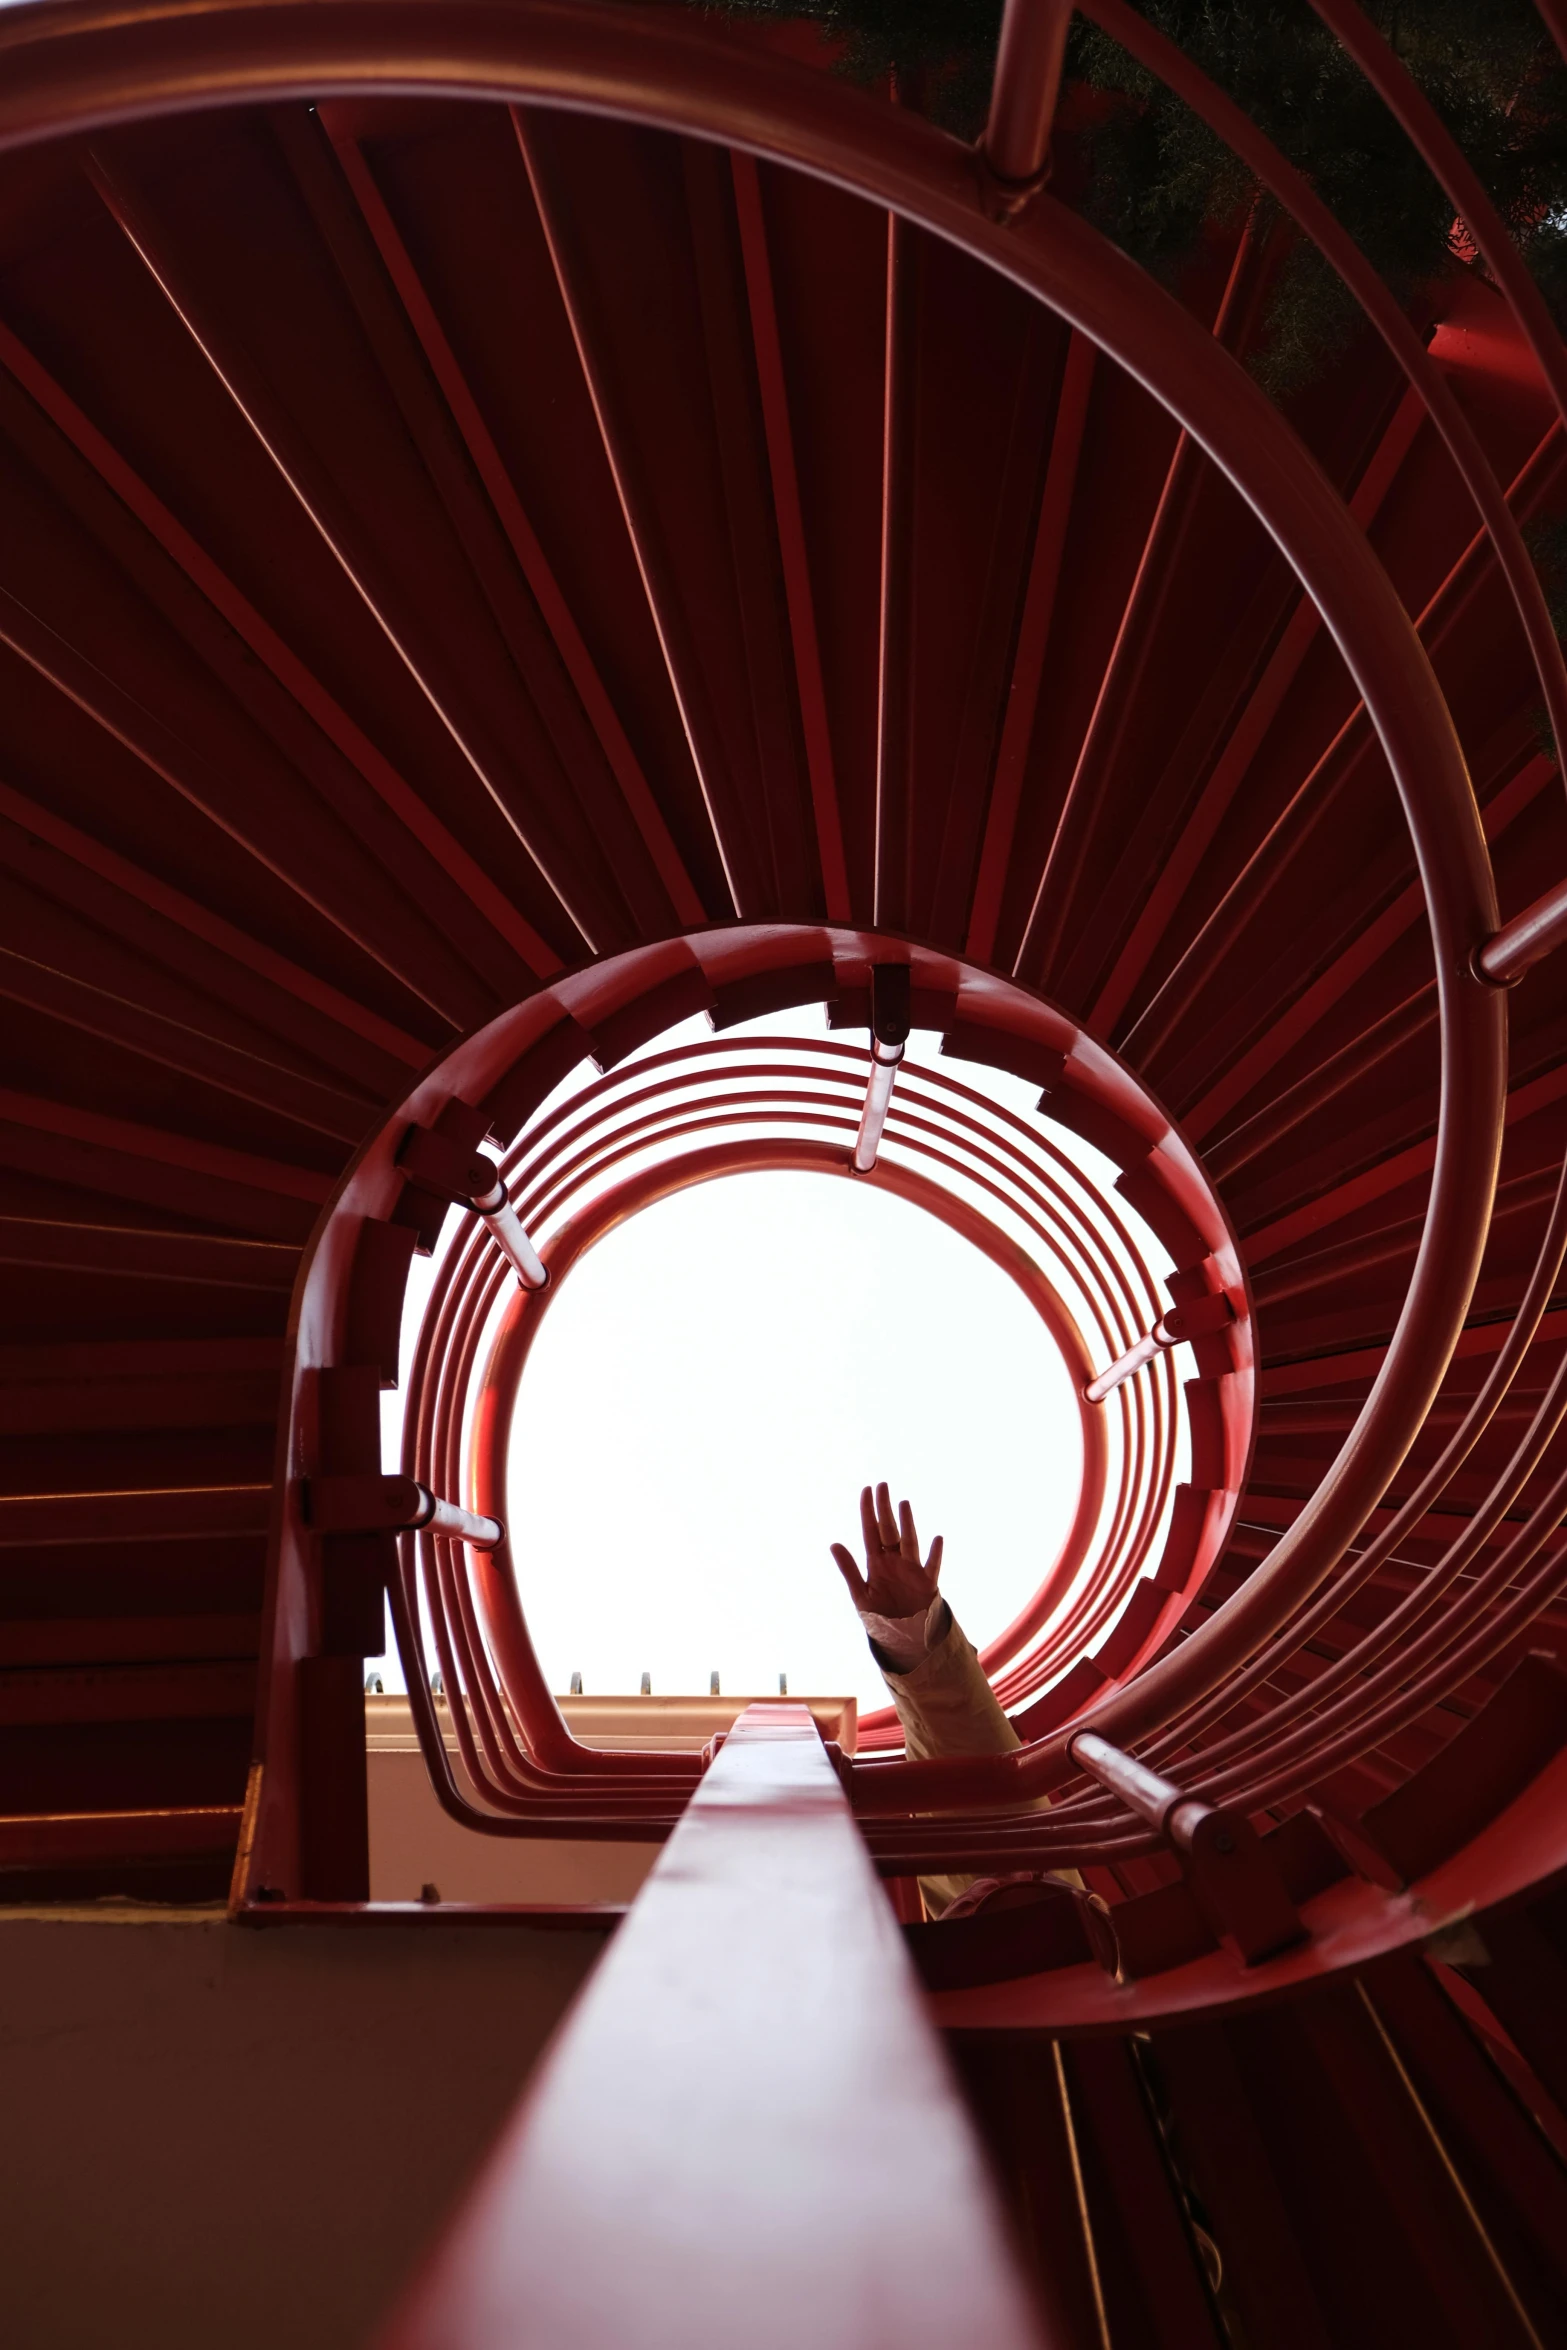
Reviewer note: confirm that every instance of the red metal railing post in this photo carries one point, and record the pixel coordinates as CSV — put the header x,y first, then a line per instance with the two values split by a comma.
x,y
393,1505
1027,85
889,1041
1530,936
1200,1317
1221,1855
442,1166
717,2143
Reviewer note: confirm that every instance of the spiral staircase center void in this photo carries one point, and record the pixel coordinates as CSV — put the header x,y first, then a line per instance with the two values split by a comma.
x,y
528,523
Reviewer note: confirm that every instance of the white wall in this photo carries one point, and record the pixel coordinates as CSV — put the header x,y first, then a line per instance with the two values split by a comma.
x,y
413,1843
217,2137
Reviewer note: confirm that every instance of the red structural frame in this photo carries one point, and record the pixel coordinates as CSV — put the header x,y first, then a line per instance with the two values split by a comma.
x,y
520,1771
934,1122
73,68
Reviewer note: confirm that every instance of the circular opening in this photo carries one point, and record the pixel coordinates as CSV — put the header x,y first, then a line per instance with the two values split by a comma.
x,y
740,1334
719,1378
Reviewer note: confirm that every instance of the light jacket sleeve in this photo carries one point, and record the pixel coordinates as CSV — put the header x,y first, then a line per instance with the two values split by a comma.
x,y
946,1706
944,1702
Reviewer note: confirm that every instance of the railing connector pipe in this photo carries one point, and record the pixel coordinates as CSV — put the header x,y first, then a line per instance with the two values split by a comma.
x,y
506,1229
1530,936
392,1505
1199,1317
1015,149
440,1165
1230,1871
890,999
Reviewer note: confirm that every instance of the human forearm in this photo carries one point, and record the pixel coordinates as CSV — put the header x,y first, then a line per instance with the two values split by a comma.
x,y
943,1698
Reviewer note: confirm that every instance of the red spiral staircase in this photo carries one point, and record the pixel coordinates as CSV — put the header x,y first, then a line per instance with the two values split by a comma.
x,y
523,522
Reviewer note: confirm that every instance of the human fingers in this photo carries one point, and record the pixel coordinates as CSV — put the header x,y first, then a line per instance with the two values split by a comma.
x,y
887,1524
844,1559
933,1563
869,1528
908,1539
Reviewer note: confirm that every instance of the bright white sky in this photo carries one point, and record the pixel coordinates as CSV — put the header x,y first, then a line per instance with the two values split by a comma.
x,y
713,1386
707,1395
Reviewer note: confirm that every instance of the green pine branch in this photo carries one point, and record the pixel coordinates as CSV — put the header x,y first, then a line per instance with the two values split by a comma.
x,y
1148,172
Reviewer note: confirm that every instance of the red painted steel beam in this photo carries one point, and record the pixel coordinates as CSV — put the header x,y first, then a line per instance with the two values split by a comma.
x,y
719,2141
1530,936
895,652
180,1515
146,1403
301,478
517,524
180,913
1467,1546
1386,1175
125,1253
1360,1363
1270,861
209,1159
89,1360
166,1043
269,648
86,1839
1117,695
62,921
1331,1076
1286,1029
1121,683
444,1168
1263,704
140,732
1039,597
547,735
793,552
138,1640
726,349
203,1691
664,605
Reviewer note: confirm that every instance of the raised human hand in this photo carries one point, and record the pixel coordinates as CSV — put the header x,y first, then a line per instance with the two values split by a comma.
x,y
894,1582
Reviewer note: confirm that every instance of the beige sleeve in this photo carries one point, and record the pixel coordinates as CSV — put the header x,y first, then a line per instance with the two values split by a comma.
x,y
947,1706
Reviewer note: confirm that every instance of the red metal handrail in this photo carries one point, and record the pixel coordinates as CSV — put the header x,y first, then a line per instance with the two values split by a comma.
x,y
798,2010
